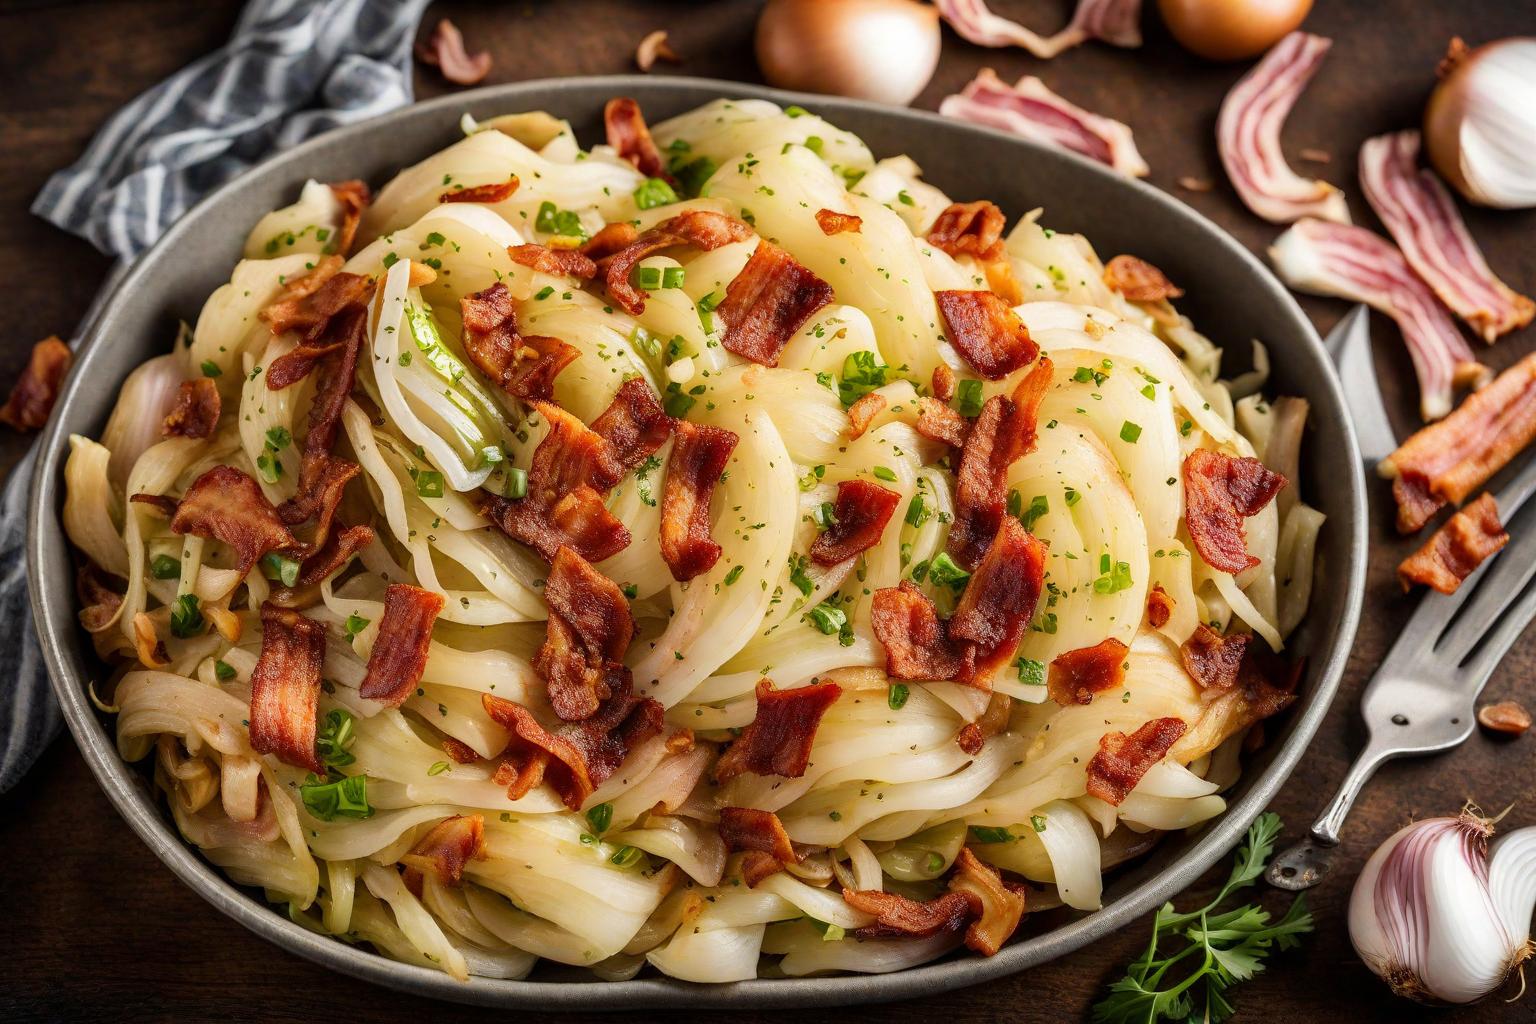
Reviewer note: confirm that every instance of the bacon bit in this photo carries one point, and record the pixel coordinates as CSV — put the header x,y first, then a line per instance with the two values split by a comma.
x,y
974,229
1248,135
630,138
747,828
490,193
1159,607
705,230
452,844
580,520
862,412
338,549
999,602
1076,676
1466,540
938,422
1003,432
633,428
228,506
778,740
680,742
354,197
987,334
521,773
35,391
970,739
1193,184
560,262
323,480
461,752
100,596
285,687
1422,218
767,304
1002,905
1219,493
655,47
524,368
578,756
862,509
1213,660
399,655
610,239
306,307
1116,22
1506,717
196,411
589,630
1138,280
158,504
943,384
1447,461
444,50
1122,760
1031,111
897,916
756,866
147,643
833,223
917,644
699,456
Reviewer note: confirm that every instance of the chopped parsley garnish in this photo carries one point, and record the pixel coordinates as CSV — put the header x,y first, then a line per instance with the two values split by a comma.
x,y
186,619
944,571
654,192
897,698
346,797
1130,432
555,221
917,511
827,618
968,398
429,483
797,576
355,624
861,375
224,671
1031,672
885,473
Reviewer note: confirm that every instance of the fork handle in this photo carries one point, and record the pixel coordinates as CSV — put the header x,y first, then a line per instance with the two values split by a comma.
x,y
1304,864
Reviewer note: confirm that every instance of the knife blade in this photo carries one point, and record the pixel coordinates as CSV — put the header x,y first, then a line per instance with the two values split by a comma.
x,y
1349,346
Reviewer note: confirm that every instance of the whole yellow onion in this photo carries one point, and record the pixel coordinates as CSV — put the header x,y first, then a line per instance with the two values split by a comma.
x,y
883,50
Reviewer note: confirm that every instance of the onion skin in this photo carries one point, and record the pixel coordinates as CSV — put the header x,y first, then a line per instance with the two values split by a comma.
x,y
882,50
1231,29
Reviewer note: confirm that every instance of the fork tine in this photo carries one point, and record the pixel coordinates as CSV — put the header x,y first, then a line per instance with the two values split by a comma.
x,y
1478,664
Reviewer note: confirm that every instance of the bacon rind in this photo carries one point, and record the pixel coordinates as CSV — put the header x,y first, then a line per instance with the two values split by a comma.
x,y
1122,760
448,848
833,223
778,740
228,506
999,601
559,262
285,687
1077,676
626,131
1464,542
633,428
524,368
938,422
988,334
1213,660
399,655
353,196
32,396
699,455
1248,136
898,916
589,629
768,302
916,641
862,509
1138,280
747,828
1219,493
1116,22
196,411
444,49
1001,904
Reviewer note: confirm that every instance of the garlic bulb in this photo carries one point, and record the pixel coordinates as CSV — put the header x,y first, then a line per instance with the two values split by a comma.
x,y
883,50
1480,124
1438,918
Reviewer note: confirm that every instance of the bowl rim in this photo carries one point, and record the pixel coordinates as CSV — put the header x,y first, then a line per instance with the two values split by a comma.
x,y
143,815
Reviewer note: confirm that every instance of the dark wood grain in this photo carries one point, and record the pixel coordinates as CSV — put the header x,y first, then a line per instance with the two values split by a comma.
x,y
100,930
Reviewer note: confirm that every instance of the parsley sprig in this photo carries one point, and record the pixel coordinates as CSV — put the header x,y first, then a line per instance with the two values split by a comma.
x,y
1223,948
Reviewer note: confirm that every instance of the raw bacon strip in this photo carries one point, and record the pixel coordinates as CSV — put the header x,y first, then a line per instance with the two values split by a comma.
x,y
285,687
399,655
938,422
1460,546
35,391
560,262
986,332
589,630
228,506
699,456
618,248
1003,432
196,411
999,602
354,197
898,916
1248,136
916,641
863,412
1447,461
492,192
1031,111
1219,493
1359,265
633,427
1122,760
767,304
778,740
444,50
1138,280
1421,217
1213,660
1116,22
1076,676
524,368
1002,904
747,828
862,509
631,139
448,848
833,223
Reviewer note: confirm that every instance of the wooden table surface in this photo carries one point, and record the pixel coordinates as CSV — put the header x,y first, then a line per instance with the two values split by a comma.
x,y
101,930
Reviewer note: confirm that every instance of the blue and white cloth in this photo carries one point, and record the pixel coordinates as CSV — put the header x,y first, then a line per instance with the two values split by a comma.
x,y
291,69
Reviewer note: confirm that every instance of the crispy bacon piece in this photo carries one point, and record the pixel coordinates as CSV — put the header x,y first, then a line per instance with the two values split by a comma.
x,y
618,248
589,630
916,641
399,654
1138,280
939,422
228,506
974,229
580,520
491,192
747,828
306,306
897,916
1159,607
100,594
1447,461
577,683
1213,660
35,391
778,740
863,412
444,50
943,382
525,368
1116,22
461,752
627,133
579,756
285,687
560,262
633,427
767,304
707,230
999,602
986,333
1077,676
323,479
610,239
833,223
196,411
448,848
339,549
1467,539
1003,432
1002,905
1219,493
699,456
354,197
862,509
1123,759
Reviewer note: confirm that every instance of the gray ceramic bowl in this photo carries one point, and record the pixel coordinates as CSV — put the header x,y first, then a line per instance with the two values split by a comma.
x,y
1231,296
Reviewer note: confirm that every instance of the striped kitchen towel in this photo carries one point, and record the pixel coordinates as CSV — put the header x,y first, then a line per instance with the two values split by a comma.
x,y
291,69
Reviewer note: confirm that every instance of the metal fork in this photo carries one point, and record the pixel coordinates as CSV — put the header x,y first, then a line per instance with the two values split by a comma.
x,y
1421,699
